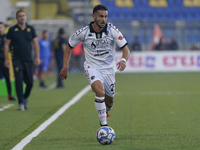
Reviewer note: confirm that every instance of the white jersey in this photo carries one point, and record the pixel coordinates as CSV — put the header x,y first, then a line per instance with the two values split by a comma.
x,y
99,47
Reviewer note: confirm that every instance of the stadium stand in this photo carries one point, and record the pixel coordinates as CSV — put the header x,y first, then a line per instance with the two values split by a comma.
x,y
43,9
179,18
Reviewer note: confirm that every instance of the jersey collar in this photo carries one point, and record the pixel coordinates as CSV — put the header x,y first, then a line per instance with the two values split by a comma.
x,y
20,28
92,30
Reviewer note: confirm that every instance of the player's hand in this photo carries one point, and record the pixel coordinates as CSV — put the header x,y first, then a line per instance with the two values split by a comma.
x,y
37,61
64,73
121,65
7,63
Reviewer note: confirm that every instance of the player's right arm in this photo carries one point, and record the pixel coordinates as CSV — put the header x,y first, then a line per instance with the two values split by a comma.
x,y
6,50
67,54
74,40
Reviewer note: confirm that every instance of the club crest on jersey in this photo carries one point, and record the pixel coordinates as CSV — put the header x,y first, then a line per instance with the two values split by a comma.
x,y
16,29
16,69
28,29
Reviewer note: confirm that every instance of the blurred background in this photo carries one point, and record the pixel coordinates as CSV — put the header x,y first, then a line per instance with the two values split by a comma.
x,y
177,20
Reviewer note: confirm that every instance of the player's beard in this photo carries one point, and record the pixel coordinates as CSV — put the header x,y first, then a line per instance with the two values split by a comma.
x,y
99,25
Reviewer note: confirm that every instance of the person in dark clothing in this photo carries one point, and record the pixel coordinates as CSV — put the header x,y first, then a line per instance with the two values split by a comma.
x,y
173,44
19,38
4,70
136,45
59,46
162,45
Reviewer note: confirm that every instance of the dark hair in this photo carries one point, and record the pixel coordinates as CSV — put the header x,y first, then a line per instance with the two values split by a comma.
x,y
2,23
61,31
99,7
19,12
44,31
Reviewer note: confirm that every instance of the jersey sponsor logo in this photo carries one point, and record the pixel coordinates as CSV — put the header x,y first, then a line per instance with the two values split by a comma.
x,y
28,29
16,29
99,43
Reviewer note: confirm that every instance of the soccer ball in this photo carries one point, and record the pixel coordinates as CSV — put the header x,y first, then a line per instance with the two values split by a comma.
x,y
105,135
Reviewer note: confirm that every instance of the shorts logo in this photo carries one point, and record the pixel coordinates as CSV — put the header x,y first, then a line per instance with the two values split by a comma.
x,y
16,69
92,78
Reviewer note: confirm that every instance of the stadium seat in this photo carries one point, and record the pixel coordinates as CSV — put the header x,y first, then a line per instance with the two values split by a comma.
x,y
158,3
95,2
124,3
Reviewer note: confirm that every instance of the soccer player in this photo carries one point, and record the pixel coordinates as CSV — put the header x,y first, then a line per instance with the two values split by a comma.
x,y
44,57
19,38
5,70
99,38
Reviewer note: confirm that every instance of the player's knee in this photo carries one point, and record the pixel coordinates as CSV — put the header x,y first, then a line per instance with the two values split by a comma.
x,y
100,93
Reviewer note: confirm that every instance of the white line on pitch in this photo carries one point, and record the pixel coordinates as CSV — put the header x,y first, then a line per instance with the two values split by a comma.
x,y
6,107
51,86
45,124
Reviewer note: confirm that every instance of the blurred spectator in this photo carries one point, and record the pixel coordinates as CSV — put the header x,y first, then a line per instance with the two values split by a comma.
x,y
59,46
136,45
173,44
162,45
4,70
44,57
76,58
194,47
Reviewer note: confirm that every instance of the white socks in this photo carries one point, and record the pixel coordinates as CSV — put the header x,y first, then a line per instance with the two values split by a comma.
x,y
101,109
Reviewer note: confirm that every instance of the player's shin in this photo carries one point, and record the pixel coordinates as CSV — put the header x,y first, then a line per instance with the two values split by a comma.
x,y
101,109
109,108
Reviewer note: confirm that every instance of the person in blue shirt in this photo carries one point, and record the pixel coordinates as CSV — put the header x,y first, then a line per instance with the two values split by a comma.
x,y
44,57
59,45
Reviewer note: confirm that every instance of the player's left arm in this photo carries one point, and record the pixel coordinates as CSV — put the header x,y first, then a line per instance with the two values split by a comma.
x,y
37,51
121,65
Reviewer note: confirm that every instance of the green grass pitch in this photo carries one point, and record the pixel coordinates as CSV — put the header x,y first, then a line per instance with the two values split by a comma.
x,y
152,111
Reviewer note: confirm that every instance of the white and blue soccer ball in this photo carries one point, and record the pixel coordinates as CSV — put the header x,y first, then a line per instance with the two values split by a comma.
x,y
105,135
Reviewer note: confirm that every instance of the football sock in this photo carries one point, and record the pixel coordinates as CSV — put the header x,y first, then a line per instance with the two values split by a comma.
x,y
108,109
101,109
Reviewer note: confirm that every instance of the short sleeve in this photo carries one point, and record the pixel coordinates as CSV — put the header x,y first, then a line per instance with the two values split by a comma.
x,y
33,33
9,34
77,37
118,37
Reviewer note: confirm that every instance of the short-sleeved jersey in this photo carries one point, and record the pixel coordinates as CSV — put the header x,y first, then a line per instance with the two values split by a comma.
x,y
57,44
2,40
44,49
99,47
21,41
